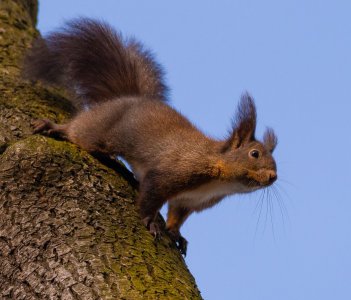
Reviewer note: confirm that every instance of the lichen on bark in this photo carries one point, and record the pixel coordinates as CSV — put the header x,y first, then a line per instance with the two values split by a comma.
x,y
69,228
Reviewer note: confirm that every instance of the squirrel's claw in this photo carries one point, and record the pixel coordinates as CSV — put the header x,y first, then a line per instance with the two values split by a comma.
x,y
153,228
180,241
182,245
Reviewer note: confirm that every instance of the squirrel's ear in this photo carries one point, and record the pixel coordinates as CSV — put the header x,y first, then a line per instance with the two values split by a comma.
x,y
244,124
270,140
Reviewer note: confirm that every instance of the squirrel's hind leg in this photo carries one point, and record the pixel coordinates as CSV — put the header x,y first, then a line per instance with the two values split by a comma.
x,y
50,128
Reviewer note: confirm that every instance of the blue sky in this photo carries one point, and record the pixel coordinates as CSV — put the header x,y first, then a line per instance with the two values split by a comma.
x,y
294,57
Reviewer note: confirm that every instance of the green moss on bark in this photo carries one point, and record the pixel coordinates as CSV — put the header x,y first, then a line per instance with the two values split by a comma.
x,y
81,215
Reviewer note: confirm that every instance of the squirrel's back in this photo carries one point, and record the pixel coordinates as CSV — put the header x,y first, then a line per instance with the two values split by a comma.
x,y
94,62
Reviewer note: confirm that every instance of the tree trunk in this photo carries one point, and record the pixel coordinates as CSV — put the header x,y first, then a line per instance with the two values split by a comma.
x,y
69,228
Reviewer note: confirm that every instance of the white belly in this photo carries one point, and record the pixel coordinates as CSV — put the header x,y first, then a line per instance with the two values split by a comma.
x,y
202,195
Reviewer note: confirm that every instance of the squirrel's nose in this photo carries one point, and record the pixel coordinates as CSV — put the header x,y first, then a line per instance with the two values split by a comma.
x,y
272,175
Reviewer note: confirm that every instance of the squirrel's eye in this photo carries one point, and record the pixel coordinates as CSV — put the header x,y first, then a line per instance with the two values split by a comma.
x,y
254,153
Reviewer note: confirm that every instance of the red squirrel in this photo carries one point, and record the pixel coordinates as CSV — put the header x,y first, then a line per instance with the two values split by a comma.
x,y
122,85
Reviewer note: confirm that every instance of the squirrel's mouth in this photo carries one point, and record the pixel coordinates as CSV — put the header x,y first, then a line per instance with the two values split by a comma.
x,y
260,179
252,184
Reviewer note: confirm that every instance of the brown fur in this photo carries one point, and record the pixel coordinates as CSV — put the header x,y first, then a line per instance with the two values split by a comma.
x,y
94,62
170,157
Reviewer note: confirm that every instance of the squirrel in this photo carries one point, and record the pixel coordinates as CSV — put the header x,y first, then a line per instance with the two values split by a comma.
x,y
128,115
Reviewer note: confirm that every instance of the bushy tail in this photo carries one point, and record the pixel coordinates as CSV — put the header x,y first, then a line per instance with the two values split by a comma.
x,y
90,59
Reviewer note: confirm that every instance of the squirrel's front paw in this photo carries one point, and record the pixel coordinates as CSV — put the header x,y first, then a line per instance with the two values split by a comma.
x,y
182,245
181,242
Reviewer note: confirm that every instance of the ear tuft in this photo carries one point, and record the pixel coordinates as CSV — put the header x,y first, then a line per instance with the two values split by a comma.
x,y
270,140
244,124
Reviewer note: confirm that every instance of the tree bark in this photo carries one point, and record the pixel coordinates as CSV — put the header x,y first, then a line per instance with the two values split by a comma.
x,y
69,228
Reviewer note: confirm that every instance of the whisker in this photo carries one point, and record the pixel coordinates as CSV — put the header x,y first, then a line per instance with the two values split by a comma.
x,y
257,203
280,200
281,189
260,202
281,209
271,211
268,197
266,218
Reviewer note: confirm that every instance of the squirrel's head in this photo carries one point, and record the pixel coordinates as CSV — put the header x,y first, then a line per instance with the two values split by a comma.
x,y
253,159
